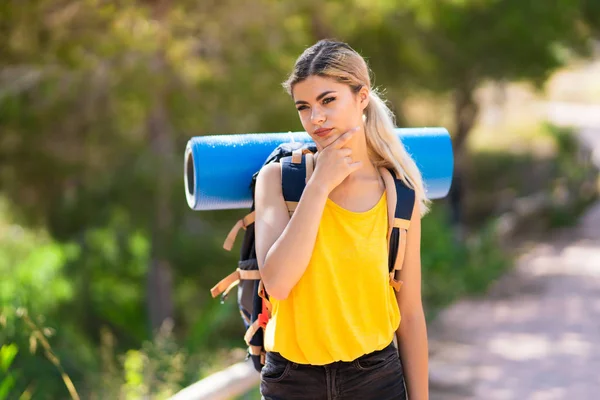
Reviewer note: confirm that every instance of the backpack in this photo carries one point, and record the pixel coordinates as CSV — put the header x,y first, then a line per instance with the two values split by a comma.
x,y
297,165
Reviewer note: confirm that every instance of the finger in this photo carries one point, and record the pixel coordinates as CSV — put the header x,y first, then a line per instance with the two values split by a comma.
x,y
356,165
345,152
342,140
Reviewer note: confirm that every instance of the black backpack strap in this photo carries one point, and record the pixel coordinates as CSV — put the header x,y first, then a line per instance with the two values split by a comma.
x,y
401,202
295,172
253,300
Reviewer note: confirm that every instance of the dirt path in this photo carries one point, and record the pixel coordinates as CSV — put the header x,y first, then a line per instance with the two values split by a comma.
x,y
537,333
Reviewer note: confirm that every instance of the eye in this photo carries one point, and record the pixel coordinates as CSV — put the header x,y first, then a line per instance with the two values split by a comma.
x,y
302,108
328,100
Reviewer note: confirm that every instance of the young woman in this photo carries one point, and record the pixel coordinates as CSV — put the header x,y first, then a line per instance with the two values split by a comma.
x,y
334,313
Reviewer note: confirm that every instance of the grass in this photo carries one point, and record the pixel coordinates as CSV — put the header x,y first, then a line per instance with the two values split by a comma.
x,y
38,337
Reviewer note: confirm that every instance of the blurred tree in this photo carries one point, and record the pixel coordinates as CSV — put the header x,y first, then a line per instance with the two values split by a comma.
x,y
454,46
96,98
591,15
160,136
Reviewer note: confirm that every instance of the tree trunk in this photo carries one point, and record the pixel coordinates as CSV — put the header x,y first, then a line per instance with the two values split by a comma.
x,y
319,29
465,115
160,280
159,291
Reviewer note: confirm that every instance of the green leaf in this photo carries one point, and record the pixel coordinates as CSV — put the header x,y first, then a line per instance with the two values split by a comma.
x,y
7,355
5,386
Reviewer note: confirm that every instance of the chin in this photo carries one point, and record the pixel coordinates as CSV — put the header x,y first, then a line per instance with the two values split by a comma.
x,y
326,141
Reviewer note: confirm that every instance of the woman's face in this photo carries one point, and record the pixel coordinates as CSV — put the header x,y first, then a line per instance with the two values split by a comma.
x,y
328,108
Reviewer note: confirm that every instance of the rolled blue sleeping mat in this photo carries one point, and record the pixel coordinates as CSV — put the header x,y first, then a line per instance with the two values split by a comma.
x,y
218,169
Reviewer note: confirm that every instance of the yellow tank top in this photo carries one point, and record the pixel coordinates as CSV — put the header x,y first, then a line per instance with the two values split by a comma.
x,y
343,306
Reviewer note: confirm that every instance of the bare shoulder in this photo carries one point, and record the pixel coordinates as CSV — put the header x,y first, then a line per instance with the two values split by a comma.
x,y
268,195
268,181
270,171
271,212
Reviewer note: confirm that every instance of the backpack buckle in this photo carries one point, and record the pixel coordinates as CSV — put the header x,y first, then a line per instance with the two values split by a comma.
x,y
263,318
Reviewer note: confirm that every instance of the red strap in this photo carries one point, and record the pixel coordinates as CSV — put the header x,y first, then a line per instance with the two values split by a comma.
x,y
263,317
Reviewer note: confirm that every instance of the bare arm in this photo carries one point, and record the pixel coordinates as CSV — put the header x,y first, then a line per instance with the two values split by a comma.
x,y
412,333
284,246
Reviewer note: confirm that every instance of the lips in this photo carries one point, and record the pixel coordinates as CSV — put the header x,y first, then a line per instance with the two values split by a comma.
x,y
323,131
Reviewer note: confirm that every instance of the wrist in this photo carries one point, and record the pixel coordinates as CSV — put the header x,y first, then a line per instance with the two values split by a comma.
x,y
317,189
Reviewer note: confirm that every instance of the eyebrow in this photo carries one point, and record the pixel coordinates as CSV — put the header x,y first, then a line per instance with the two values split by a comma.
x,y
319,97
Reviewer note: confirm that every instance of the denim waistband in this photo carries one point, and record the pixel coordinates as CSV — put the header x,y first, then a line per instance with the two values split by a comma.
x,y
390,347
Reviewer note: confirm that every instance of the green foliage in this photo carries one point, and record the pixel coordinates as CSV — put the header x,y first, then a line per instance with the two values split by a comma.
x,y
7,354
156,370
40,372
563,170
466,42
452,47
574,183
7,381
564,138
253,394
31,266
591,14
452,269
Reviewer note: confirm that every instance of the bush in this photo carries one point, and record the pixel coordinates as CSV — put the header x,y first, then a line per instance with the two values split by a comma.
x,y
497,176
451,268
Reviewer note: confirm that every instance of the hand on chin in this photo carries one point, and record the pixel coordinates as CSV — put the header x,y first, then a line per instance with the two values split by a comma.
x,y
326,142
330,139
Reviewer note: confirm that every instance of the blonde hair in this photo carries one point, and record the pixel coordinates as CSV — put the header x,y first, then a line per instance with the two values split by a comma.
x,y
337,60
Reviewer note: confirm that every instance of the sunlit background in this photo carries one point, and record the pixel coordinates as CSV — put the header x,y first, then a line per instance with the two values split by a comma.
x,y
105,271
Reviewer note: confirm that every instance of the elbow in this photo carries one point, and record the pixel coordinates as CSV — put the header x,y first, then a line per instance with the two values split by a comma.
x,y
279,294
413,318
411,321
276,288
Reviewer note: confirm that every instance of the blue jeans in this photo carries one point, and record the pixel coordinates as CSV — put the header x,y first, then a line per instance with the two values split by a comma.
x,y
376,376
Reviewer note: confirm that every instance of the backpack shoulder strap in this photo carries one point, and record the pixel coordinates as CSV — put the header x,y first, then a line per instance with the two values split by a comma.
x,y
401,202
296,170
300,164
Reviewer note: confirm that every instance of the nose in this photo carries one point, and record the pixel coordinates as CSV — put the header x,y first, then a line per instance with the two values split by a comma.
x,y
317,116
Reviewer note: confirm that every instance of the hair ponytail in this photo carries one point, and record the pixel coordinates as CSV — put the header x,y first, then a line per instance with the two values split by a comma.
x,y
386,150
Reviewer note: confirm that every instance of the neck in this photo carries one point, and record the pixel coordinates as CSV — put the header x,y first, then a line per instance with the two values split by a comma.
x,y
360,153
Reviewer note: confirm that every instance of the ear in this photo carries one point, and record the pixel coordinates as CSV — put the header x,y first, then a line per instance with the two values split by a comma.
x,y
363,98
